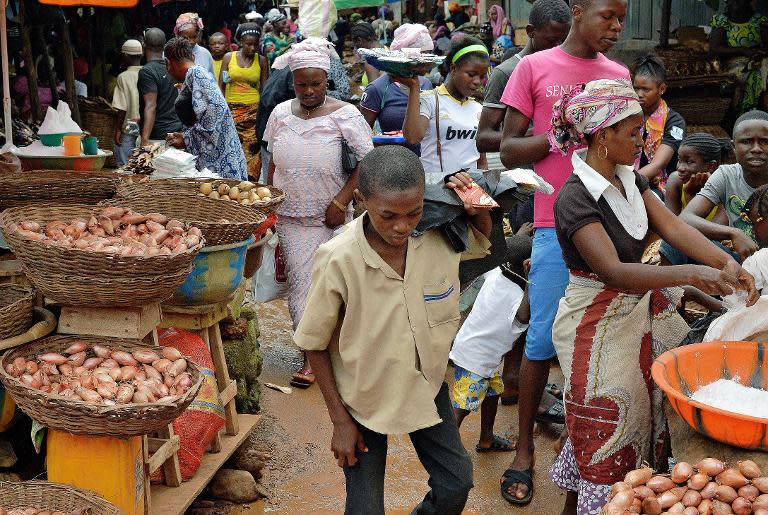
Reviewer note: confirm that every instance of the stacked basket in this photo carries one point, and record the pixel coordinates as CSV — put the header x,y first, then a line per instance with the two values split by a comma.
x,y
52,497
60,186
16,310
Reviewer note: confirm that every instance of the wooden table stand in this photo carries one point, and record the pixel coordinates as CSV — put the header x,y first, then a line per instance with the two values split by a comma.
x,y
140,323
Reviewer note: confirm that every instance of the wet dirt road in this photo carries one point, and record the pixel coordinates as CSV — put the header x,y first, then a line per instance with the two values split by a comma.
x,y
302,477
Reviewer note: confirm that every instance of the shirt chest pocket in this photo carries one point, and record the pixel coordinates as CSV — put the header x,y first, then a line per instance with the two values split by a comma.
x,y
442,303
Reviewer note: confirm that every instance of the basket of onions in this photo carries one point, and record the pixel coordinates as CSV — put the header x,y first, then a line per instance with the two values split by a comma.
x,y
45,498
260,197
708,488
221,223
97,386
95,256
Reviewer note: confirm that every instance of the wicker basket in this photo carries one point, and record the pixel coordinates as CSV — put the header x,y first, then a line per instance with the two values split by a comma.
x,y
100,123
81,278
53,497
192,187
16,310
702,111
78,417
221,223
56,186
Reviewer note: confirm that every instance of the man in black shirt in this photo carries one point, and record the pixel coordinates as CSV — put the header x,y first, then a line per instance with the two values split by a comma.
x,y
157,92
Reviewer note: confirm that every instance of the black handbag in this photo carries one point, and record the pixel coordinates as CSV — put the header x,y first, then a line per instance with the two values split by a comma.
x,y
349,159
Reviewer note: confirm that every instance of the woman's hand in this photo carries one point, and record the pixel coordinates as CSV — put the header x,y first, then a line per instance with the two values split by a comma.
x,y
346,440
462,181
175,139
408,82
334,217
746,281
743,245
696,182
713,281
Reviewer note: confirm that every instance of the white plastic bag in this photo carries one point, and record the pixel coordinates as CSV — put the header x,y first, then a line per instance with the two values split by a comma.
x,y
748,324
317,18
270,282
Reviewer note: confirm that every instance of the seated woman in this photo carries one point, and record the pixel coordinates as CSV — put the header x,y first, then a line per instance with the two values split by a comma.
x,y
732,185
604,215
740,38
209,130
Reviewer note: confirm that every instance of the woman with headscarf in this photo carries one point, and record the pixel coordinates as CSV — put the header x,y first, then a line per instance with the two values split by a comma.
x,y
499,22
385,100
364,36
243,76
277,41
188,26
209,131
604,215
305,136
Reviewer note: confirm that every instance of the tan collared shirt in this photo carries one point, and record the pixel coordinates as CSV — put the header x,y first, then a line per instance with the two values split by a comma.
x,y
388,336
126,95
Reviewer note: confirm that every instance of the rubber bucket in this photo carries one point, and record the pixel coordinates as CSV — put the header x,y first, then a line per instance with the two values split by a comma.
x,y
216,273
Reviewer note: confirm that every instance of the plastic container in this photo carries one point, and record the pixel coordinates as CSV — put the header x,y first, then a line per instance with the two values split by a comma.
x,y
111,467
90,146
216,273
72,145
54,140
681,371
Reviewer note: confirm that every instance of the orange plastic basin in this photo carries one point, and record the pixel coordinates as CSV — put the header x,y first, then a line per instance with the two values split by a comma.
x,y
682,371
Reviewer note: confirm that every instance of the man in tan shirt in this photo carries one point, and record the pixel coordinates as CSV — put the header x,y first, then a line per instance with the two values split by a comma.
x,y
126,100
381,315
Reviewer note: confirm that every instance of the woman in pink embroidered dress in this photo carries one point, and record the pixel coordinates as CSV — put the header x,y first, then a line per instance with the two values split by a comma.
x,y
305,138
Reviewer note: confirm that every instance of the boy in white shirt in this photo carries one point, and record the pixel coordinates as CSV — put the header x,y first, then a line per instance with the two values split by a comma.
x,y
498,318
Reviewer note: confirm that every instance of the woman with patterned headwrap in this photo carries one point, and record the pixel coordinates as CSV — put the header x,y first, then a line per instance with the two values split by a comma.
x,y
188,26
304,136
277,41
617,314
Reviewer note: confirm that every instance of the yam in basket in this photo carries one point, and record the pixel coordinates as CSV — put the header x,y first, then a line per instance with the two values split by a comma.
x,y
78,277
53,497
221,223
56,186
132,187
80,417
16,310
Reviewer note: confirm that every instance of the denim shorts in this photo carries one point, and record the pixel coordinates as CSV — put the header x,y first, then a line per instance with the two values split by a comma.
x,y
675,257
548,279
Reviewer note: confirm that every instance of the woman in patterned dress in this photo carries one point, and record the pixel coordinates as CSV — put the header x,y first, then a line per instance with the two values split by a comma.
x,y
304,136
209,130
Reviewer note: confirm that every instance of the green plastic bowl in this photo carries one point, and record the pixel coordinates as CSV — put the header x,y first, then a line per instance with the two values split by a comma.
x,y
55,140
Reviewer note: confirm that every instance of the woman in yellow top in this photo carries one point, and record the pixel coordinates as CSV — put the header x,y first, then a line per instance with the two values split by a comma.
x,y
243,75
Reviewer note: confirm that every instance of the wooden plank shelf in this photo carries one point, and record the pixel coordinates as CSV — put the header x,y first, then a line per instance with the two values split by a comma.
x,y
175,500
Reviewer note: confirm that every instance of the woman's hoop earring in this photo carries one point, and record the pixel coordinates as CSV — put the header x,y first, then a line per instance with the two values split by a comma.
x,y
602,147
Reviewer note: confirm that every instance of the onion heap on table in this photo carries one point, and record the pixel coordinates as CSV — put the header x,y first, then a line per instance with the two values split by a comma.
x,y
31,510
245,193
115,230
708,488
99,375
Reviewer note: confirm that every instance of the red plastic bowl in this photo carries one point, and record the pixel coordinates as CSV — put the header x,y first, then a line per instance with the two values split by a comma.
x,y
682,371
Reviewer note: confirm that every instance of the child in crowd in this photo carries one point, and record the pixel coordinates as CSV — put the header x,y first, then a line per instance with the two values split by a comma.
x,y
540,80
756,210
498,318
217,44
732,185
663,128
381,316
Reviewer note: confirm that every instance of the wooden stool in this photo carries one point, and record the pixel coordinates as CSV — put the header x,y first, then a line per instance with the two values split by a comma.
x,y
138,323
204,320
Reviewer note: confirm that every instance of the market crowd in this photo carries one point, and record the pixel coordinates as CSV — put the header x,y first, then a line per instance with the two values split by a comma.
x,y
374,298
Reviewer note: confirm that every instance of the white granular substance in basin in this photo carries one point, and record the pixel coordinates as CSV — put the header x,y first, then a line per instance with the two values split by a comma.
x,y
728,395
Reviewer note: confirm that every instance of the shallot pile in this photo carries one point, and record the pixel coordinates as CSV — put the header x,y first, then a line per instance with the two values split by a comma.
x,y
31,510
709,488
245,193
115,230
99,375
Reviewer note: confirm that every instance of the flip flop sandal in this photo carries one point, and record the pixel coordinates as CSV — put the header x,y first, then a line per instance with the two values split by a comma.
x,y
554,390
511,477
555,414
498,444
302,380
510,400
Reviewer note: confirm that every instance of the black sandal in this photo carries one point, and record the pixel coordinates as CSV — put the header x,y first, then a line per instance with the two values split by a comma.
x,y
509,400
555,414
554,390
498,444
511,477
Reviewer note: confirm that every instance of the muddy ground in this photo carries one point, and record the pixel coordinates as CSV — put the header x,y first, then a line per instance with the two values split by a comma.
x,y
303,478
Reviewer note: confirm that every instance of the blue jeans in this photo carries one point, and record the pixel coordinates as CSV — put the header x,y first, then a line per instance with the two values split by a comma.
x,y
548,279
440,451
675,257
124,149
